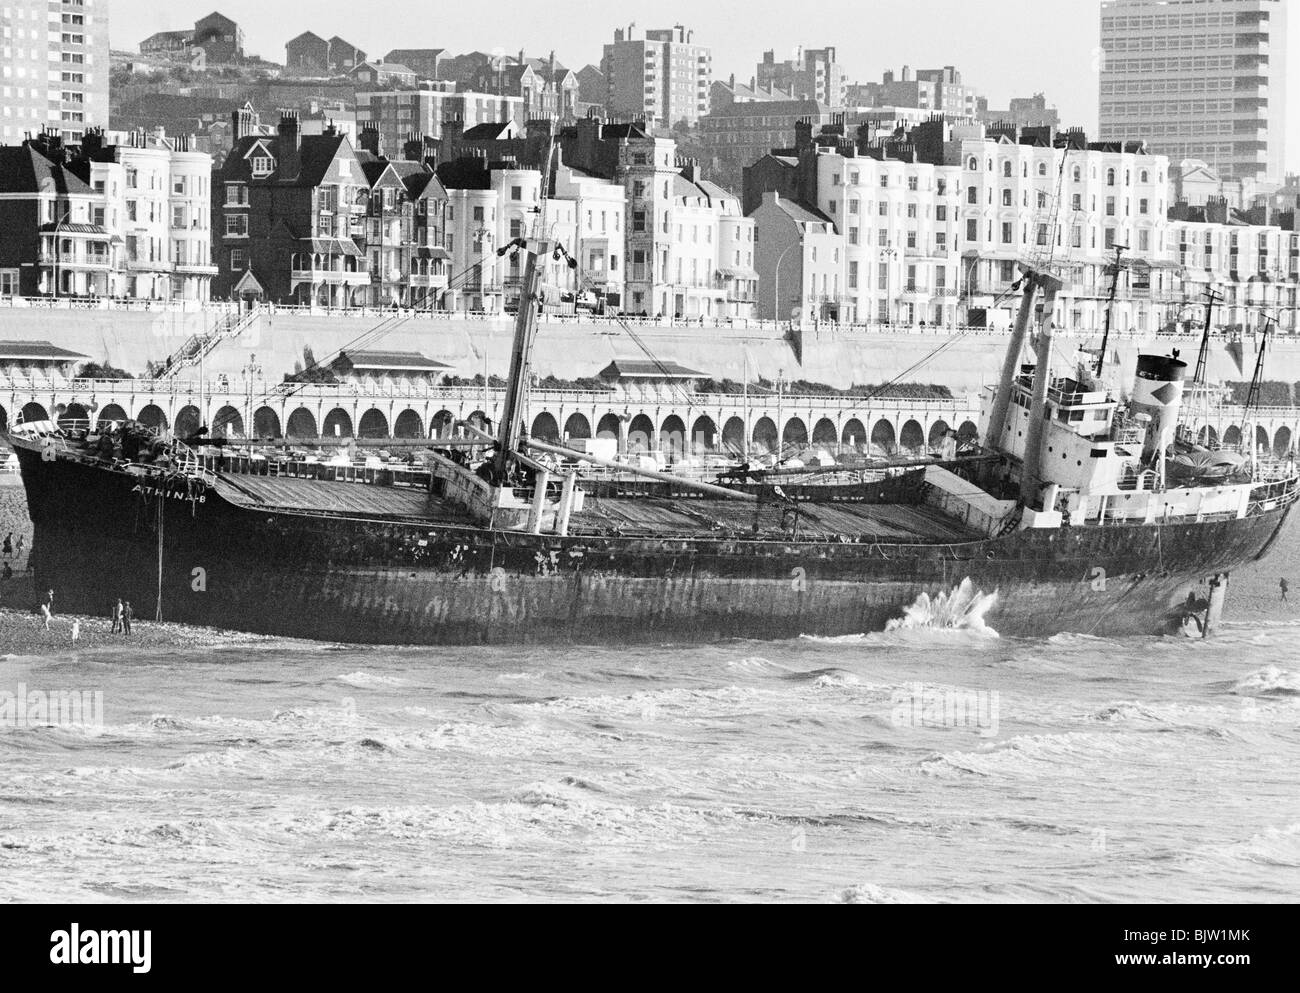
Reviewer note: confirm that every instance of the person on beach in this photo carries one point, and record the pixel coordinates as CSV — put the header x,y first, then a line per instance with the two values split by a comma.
x,y
76,631
1286,588
22,543
9,544
126,617
49,601
117,617
45,612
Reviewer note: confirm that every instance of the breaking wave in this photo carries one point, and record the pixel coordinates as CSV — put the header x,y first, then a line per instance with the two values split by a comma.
x,y
963,609
1269,681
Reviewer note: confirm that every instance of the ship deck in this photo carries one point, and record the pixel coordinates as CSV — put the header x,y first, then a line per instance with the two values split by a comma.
x,y
317,496
631,516
885,522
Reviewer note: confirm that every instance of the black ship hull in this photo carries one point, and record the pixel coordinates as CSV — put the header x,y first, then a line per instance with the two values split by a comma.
x,y
346,578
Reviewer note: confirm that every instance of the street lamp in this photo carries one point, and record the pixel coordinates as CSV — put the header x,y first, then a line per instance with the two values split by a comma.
x,y
890,252
249,371
54,272
776,282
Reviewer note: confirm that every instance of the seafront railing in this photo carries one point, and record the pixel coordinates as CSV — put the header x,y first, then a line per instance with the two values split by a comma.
x,y
735,325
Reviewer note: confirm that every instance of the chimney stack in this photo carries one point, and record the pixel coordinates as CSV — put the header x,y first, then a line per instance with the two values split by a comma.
x,y
290,144
370,140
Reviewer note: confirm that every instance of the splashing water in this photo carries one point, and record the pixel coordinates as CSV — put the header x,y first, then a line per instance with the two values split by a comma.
x,y
963,609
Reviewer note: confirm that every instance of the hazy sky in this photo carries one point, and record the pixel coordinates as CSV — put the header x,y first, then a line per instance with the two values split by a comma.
x,y
1008,48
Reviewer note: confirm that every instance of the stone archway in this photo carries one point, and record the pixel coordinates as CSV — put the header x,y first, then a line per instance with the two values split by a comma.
x,y
1282,443
1232,437
409,425
442,425
302,424
765,436
883,439
577,428
188,421
545,428
228,423
111,413
824,433
338,424
704,435
672,437
74,416
373,425
733,437
854,435
33,411
610,428
266,423
968,433
795,433
151,415
640,434
938,434
912,437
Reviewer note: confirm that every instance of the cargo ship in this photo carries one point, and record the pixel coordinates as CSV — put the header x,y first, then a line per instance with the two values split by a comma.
x,y
1079,512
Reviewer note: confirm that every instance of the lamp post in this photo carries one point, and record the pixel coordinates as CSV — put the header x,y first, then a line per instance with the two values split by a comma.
x,y
249,371
890,253
776,282
54,271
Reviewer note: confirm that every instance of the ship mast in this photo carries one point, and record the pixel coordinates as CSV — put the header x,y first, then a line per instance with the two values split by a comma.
x,y
537,248
1110,305
1253,398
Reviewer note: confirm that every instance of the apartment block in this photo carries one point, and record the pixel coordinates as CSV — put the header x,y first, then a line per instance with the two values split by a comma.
x,y
398,113
1199,79
54,67
811,74
661,76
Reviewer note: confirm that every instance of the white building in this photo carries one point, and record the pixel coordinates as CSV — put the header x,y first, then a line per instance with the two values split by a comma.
x,y
1198,80
54,67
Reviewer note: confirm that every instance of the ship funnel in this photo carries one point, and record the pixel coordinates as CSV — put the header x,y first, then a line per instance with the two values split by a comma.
x,y
1158,392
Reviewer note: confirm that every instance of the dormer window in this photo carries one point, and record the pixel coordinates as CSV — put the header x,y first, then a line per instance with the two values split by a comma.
x,y
263,165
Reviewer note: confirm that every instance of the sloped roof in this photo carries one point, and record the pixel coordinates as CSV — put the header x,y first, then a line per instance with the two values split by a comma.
x,y
305,36
425,184
801,212
648,369
390,362
24,170
36,351
490,131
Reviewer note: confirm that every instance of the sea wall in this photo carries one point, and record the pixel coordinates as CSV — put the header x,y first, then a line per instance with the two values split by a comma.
x,y
275,341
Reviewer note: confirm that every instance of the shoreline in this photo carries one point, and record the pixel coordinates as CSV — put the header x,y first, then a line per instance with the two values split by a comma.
x,y
22,632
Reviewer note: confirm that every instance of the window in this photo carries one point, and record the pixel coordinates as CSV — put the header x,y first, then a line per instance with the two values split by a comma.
x,y
912,183
853,206
1006,233
516,228
516,193
478,214
1006,169
178,185
262,165
1006,198
972,195
1110,206
853,275
911,211
1144,206
853,236
638,220
8,282
1076,202
178,216
236,225
239,259
972,230
1110,177
884,182
1042,169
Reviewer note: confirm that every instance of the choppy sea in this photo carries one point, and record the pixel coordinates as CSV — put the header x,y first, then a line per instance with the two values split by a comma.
x,y
924,764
